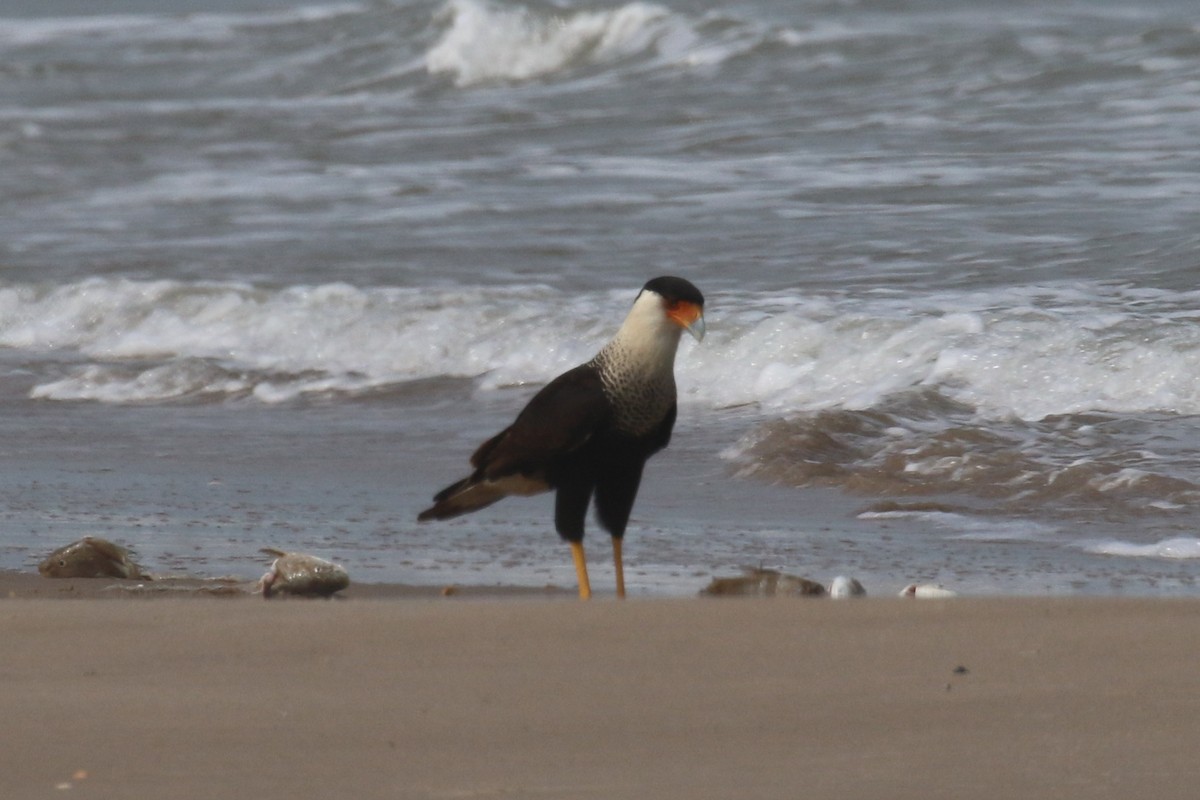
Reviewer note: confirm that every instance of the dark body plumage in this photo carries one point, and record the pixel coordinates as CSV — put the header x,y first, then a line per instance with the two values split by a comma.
x,y
588,433
565,439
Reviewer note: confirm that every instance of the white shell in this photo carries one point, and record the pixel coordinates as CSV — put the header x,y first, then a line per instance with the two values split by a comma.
x,y
843,587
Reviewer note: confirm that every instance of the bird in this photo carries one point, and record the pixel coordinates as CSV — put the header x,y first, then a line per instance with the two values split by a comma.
x,y
587,434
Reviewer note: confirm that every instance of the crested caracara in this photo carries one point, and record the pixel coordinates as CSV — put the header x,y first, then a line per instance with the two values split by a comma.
x,y
588,433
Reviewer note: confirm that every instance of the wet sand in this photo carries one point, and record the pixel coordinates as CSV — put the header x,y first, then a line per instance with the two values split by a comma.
x,y
408,694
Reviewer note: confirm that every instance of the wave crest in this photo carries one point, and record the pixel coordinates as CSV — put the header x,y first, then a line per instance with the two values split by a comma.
x,y
923,446
1116,352
486,44
149,341
1180,547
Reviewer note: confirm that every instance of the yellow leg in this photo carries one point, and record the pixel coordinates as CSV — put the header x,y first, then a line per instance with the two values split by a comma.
x,y
620,566
585,588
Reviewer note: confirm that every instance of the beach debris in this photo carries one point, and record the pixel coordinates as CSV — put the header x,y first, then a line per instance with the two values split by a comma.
x,y
843,587
926,591
758,582
78,776
185,587
302,575
91,557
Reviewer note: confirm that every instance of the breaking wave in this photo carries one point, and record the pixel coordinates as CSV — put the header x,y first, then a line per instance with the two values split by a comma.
x,y
1076,398
1174,548
471,41
1077,401
150,341
487,43
923,446
827,372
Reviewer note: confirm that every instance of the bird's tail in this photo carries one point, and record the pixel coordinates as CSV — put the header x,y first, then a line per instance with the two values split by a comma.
x,y
461,497
475,492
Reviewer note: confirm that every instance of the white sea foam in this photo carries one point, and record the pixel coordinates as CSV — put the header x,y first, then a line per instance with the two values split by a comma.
x,y
969,528
26,32
214,338
485,43
1007,354
1028,352
22,32
1180,547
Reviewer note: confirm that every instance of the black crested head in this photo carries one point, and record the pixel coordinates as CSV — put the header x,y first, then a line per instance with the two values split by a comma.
x,y
672,289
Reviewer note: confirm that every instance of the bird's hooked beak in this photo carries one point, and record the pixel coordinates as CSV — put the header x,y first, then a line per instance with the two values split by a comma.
x,y
688,316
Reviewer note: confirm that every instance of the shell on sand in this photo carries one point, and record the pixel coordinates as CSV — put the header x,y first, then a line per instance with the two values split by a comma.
x,y
91,557
843,587
759,582
302,575
926,590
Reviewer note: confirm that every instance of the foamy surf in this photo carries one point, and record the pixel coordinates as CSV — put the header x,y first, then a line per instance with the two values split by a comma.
x,y
962,525
1181,547
162,28
166,340
486,43
1033,398
1028,354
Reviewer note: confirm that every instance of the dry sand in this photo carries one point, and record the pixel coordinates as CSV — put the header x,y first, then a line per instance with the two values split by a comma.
x,y
411,695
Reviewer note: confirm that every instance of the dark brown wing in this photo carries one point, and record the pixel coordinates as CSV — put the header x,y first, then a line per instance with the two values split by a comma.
x,y
528,456
560,419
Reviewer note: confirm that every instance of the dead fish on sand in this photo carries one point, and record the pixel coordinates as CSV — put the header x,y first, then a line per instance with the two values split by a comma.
x,y
91,557
759,582
302,575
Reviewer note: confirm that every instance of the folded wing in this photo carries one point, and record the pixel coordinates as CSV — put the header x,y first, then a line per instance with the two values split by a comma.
x,y
522,459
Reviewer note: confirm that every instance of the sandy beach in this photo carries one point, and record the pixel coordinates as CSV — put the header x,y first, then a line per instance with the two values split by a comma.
x,y
272,270
408,694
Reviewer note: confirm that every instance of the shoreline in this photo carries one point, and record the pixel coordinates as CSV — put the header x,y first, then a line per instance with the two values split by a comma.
x,y
26,585
15,585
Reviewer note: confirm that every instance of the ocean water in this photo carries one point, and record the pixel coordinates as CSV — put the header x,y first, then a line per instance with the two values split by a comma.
x,y
270,270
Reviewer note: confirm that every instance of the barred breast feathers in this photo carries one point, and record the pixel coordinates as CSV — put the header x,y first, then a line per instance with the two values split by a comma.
x,y
637,368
